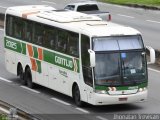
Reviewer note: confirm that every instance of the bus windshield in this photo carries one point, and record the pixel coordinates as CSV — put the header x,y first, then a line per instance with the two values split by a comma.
x,y
119,61
133,67
107,69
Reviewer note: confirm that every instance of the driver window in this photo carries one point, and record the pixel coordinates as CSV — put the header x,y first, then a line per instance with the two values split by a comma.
x,y
87,71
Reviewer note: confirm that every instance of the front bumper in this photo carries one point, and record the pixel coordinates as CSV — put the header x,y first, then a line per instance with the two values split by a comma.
x,y
105,99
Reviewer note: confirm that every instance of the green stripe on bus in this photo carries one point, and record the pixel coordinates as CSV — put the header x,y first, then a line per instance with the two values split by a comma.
x,y
12,45
63,61
35,52
60,60
24,48
97,87
48,56
39,66
143,85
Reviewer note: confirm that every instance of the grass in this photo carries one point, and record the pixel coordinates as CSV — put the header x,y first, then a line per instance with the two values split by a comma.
x,y
140,2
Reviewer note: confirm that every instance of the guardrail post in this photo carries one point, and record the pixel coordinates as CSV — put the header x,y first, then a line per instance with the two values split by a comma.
x,y
13,114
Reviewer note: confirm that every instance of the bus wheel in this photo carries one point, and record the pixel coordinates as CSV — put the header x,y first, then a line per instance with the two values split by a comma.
x,y
28,78
77,97
21,75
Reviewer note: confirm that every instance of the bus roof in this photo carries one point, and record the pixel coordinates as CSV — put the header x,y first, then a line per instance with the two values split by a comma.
x,y
70,20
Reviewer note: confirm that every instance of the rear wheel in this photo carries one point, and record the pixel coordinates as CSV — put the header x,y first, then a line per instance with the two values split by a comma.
x,y
77,97
28,78
21,75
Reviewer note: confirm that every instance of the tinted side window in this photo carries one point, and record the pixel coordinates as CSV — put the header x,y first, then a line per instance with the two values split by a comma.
x,y
18,28
69,7
85,45
87,8
39,33
28,31
62,41
50,37
87,71
9,25
73,44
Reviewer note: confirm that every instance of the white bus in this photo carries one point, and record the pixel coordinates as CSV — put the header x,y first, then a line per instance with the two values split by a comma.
x,y
81,56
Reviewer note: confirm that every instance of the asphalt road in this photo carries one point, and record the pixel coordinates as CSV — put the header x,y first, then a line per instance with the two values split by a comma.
x,y
146,21
48,104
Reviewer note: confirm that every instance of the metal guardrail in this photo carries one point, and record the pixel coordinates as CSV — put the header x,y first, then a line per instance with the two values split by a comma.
x,y
14,113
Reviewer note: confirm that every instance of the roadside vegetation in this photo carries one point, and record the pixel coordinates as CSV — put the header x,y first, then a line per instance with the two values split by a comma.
x,y
131,2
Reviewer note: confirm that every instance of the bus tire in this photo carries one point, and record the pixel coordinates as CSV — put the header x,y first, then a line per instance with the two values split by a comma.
x,y
28,78
20,73
77,96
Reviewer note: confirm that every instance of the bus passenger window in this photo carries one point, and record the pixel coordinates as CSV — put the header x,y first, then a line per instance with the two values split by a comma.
x,y
50,37
27,34
9,25
39,34
18,27
73,44
28,31
62,41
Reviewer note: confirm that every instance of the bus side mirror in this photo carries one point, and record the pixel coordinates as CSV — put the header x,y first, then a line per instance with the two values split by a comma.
x,y
92,58
152,55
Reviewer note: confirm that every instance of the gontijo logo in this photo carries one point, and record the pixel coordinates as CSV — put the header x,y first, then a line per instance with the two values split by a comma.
x,y
11,44
68,63
63,62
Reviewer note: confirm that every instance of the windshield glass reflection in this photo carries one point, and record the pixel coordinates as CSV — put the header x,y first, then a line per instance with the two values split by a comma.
x,y
107,69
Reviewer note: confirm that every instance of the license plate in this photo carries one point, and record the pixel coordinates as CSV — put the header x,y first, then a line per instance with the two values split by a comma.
x,y
123,99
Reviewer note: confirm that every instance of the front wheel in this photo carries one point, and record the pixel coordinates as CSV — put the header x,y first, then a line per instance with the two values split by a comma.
x,y
77,97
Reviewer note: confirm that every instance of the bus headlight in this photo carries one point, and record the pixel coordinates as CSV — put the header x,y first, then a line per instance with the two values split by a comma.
x,y
142,89
101,91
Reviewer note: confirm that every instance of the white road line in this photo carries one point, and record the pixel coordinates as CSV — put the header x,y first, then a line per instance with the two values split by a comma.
x,y
154,70
3,7
82,110
4,110
35,91
153,21
125,16
60,101
3,79
101,118
48,2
